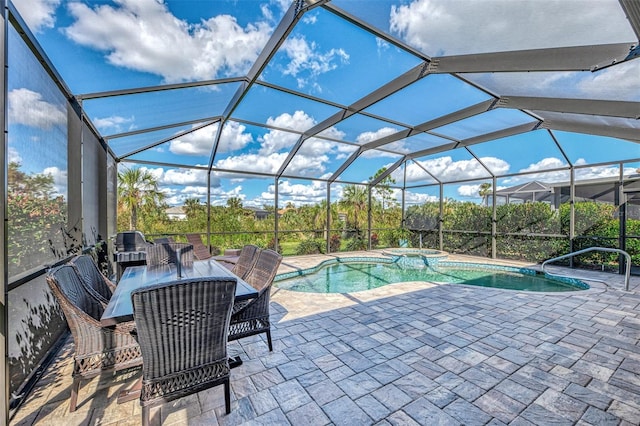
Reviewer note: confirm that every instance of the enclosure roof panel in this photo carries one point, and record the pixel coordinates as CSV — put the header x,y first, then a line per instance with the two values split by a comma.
x,y
336,90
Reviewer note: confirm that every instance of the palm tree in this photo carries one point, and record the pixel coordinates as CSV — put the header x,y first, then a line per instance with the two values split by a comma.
x,y
354,198
484,191
137,188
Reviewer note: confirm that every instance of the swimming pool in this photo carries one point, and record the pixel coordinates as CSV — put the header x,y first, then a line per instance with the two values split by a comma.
x,y
346,276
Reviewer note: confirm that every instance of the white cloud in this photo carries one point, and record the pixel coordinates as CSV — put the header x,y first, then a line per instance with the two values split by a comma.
x,y
253,162
545,164
184,177
367,137
14,155
444,27
298,193
28,108
307,62
418,198
59,179
621,79
144,36
472,191
114,124
447,170
37,14
200,142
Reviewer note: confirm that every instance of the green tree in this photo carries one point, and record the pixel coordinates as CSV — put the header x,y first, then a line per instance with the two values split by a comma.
x,y
137,189
383,189
484,191
354,200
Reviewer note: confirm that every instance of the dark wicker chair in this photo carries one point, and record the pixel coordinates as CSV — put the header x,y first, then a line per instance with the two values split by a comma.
x,y
245,262
251,317
200,251
195,314
163,254
97,284
97,349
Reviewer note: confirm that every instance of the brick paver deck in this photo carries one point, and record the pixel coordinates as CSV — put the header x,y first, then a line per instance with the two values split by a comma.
x,y
409,354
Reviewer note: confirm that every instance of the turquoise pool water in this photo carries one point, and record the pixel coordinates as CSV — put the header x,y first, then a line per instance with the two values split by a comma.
x,y
358,276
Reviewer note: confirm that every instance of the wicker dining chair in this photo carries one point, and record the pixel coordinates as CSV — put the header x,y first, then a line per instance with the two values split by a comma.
x,y
200,251
97,284
195,314
163,254
248,257
97,349
251,317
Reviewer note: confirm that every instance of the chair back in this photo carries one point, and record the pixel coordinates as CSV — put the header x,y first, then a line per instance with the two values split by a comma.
x,y
164,254
131,241
264,270
97,284
76,303
200,251
248,257
182,330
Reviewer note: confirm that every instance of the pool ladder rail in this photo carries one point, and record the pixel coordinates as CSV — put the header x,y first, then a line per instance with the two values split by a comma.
x,y
607,249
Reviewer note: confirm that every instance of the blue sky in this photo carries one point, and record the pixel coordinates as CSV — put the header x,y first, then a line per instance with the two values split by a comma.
x,y
105,45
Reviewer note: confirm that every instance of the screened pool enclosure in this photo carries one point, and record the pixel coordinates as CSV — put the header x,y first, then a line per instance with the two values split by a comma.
x,y
493,128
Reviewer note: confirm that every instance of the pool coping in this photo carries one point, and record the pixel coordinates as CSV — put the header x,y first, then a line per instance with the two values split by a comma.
x,y
438,258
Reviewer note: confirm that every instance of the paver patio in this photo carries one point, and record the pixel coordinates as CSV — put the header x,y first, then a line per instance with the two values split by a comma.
x,y
410,354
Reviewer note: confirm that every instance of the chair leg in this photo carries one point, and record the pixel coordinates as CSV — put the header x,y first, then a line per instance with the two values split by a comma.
x,y
269,340
227,396
75,387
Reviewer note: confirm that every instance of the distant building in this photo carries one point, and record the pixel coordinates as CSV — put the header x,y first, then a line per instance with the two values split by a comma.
x,y
176,213
259,214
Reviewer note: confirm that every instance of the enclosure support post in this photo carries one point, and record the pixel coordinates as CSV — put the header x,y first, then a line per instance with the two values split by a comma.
x,y
572,213
441,220
4,316
494,242
209,210
328,222
275,217
369,219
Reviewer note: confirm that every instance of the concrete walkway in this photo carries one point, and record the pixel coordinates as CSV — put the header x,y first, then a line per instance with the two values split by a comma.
x,y
409,354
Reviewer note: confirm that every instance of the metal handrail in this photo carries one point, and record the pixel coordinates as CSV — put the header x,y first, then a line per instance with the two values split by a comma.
x,y
614,250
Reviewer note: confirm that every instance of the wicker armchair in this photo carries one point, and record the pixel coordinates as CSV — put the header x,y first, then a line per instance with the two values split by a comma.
x,y
195,314
251,317
245,262
163,254
97,284
200,251
97,349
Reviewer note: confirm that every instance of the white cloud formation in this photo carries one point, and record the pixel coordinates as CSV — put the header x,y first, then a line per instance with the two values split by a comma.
x,y
144,36
114,124
14,155
545,164
444,27
307,63
37,14
448,170
621,79
472,191
418,198
200,142
28,108
59,180
297,193
366,137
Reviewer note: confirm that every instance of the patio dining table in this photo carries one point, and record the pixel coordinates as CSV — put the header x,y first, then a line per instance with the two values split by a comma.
x,y
120,307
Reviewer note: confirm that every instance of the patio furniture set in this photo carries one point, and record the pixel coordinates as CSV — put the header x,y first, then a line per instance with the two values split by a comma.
x,y
172,317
